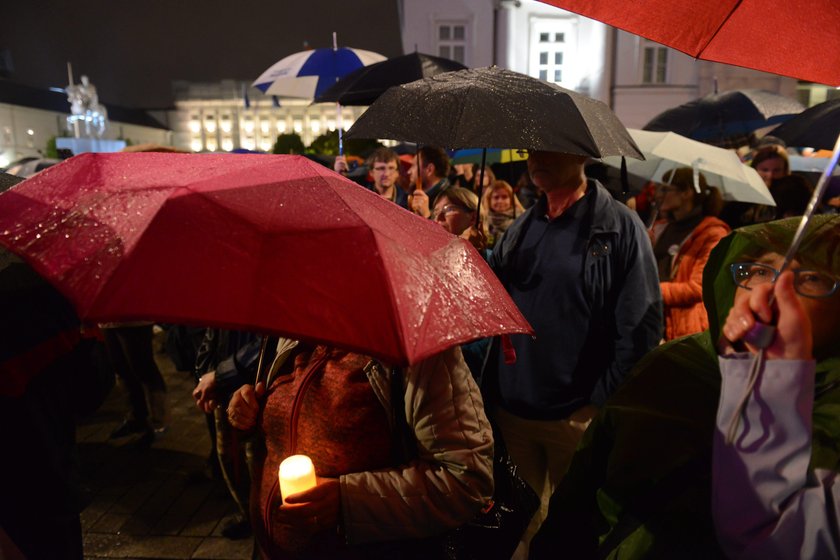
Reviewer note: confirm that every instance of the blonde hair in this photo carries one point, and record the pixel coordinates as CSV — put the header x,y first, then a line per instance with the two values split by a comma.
x,y
460,196
501,184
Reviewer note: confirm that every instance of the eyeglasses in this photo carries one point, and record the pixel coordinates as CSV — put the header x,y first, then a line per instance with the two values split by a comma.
x,y
448,209
808,283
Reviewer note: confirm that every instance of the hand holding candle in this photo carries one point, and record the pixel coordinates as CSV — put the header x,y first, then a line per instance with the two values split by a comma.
x,y
297,474
308,502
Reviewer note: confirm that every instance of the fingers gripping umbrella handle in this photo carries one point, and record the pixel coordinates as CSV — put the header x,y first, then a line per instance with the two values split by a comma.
x,y
761,335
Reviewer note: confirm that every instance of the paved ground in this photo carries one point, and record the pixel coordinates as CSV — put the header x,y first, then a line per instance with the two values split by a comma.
x,y
158,502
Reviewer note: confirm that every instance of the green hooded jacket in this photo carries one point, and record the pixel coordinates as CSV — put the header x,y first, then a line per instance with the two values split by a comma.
x,y
640,482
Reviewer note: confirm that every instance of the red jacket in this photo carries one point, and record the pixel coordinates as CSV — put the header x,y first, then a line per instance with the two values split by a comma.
x,y
683,295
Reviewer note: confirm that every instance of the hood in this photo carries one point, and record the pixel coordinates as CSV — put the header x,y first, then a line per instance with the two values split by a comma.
x,y
820,250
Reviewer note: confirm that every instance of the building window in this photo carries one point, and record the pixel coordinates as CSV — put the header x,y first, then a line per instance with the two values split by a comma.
x,y
210,123
551,48
452,41
654,63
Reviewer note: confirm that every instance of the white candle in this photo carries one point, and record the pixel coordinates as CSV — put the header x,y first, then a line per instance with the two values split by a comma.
x,y
297,474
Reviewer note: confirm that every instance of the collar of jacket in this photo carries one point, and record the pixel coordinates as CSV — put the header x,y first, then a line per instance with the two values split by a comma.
x,y
605,217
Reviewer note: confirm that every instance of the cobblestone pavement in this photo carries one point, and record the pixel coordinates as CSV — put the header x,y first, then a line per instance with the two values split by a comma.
x,y
158,502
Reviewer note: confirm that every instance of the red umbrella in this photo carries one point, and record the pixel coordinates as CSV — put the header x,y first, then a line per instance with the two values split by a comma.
x,y
788,37
265,243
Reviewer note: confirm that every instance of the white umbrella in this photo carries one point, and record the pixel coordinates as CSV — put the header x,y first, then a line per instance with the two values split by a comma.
x,y
811,164
722,168
308,74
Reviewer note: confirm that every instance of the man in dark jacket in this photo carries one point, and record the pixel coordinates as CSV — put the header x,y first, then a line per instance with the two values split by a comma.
x,y
433,171
581,269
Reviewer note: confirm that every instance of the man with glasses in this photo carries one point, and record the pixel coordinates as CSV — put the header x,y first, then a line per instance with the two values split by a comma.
x,y
641,483
384,166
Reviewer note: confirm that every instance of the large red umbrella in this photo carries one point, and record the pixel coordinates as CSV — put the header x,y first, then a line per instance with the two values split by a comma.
x,y
794,38
265,243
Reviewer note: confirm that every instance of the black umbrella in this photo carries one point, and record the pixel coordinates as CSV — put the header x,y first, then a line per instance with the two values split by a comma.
x,y
817,127
726,119
364,85
495,108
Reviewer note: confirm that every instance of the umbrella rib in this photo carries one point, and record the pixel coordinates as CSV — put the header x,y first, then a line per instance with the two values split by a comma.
x,y
720,26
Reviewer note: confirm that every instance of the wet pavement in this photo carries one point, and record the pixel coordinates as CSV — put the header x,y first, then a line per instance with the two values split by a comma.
x,y
159,502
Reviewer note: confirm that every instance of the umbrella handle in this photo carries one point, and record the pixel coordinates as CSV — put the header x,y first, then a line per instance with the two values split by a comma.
x,y
480,188
261,359
339,121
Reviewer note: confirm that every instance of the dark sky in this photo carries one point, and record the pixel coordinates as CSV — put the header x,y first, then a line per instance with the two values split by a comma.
x,y
132,50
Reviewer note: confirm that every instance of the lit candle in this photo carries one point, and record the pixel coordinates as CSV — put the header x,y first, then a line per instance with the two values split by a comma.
x,y
297,474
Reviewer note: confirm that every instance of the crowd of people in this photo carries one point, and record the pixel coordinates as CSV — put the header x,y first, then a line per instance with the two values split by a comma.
x,y
632,414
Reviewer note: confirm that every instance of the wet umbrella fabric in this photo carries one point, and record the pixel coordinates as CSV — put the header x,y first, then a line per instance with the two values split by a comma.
x,y
726,118
722,168
364,85
816,127
264,243
308,74
495,108
796,38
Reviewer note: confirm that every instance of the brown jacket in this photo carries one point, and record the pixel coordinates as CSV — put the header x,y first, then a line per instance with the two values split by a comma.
x,y
683,295
350,439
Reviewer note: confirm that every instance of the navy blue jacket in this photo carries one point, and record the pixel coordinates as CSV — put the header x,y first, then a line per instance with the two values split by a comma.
x,y
621,287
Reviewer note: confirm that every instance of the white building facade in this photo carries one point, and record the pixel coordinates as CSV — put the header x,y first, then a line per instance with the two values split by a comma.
x,y
212,117
637,78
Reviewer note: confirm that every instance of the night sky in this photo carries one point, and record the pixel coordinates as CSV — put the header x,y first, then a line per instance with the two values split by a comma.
x,y
133,50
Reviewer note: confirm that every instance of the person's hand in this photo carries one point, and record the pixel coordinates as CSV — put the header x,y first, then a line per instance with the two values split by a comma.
x,y
793,340
205,392
476,238
244,406
317,507
419,203
340,165
834,201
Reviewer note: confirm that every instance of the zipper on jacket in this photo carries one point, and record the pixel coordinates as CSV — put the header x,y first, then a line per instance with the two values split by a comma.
x,y
308,376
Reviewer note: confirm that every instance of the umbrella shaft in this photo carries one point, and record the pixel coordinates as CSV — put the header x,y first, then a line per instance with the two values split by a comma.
x,y
822,184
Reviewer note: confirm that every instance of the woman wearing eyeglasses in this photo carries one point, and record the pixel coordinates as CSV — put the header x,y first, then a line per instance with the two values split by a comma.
x,y
641,483
454,209
775,488
682,240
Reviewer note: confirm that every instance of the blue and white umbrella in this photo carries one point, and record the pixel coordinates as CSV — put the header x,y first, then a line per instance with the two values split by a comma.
x,y
307,74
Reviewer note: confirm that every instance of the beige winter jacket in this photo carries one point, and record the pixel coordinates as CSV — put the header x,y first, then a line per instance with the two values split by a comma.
x,y
452,477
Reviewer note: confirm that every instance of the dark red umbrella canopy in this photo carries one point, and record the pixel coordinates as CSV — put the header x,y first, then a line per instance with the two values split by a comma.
x,y
796,38
273,244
